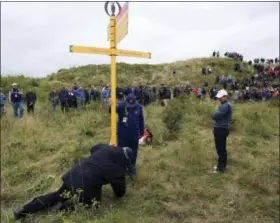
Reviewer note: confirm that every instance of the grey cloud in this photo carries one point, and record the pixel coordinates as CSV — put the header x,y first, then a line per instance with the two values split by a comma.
x,y
35,37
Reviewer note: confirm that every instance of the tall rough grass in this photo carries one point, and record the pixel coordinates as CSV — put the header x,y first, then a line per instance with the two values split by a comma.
x,y
173,182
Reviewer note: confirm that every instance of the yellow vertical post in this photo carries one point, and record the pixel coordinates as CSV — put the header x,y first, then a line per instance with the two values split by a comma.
x,y
113,80
113,52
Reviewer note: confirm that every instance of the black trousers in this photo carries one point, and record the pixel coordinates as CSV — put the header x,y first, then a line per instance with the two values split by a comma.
x,y
30,108
220,135
64,107
62,195
46,201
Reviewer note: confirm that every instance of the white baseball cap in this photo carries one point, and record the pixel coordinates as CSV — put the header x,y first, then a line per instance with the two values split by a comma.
x,y
221,93
14,84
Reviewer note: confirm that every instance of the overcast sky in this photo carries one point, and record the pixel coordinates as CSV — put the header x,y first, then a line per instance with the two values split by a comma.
x,y
35,36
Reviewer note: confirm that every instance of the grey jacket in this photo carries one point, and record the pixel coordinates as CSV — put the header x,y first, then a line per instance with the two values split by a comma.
x,y
222,118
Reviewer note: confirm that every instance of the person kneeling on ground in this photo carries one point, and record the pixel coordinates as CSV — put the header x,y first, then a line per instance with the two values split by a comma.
x,y
105,165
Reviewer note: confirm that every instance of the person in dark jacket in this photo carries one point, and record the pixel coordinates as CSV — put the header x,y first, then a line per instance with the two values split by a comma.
x,y
86,92
119,92
72,101
30,98
147,92
203,71
241,57
127,91
256,60
105,165
166,96
139,94
217,81
237,67
130,126
204,92
54,99
2,103
161,92
16,99
176,92
94,94
63,98
212,93
222,120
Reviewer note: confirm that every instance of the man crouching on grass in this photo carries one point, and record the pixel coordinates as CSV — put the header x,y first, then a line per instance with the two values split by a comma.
x,y
222,119
105,165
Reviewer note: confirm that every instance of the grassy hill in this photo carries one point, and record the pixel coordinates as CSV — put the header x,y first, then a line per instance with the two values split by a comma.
x,y
130,74
173,182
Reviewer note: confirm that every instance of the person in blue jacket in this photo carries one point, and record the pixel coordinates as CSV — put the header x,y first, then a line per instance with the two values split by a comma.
x,y
222,120
2,103
106,94
80,93
130,126
63,98
16,99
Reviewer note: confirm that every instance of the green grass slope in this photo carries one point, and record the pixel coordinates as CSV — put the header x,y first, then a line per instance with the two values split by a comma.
x,y
130,74
173,182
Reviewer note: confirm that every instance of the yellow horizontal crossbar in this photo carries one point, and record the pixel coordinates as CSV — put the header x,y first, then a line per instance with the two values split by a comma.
x,y
91,50
129,53
108,52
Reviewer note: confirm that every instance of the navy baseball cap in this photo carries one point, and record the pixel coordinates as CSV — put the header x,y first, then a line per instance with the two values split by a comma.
x,y
130,101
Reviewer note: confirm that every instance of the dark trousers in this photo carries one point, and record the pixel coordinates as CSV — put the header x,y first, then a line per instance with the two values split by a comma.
x,y
64,106
93,197
133,144
30,108
46,201
220,135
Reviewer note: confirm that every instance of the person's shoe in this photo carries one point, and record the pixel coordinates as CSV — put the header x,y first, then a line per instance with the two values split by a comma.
x,y
57,207
215,167
18,214
216,170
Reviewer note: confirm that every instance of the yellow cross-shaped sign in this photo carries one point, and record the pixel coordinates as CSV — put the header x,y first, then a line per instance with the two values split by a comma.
x,y
112,52
106,51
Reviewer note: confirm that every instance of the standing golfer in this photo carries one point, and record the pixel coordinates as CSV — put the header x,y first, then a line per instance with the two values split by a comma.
x,y
222,119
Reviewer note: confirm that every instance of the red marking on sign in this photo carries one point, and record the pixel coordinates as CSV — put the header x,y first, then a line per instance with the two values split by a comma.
x,y
123,10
